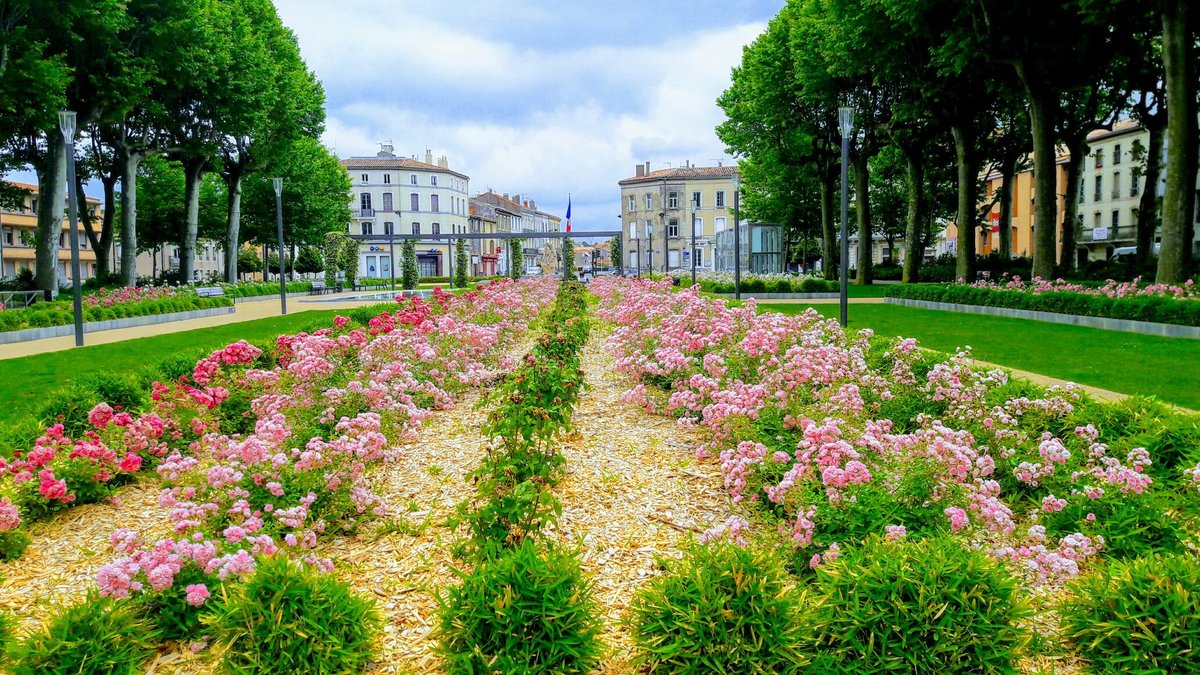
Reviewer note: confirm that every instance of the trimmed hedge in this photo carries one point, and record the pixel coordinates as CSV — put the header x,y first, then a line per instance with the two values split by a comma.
x,y
59,313
257,288
759,285
1156,309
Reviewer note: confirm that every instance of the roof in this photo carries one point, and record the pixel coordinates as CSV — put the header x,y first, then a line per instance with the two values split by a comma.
x,y
499,202
29,187
482,211
1120,128
400,163
682,173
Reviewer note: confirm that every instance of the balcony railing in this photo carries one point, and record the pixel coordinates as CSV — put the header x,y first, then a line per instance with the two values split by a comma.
x,y
1105,234
366,213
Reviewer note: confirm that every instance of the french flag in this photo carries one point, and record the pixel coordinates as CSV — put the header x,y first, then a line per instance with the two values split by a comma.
x,y
568,213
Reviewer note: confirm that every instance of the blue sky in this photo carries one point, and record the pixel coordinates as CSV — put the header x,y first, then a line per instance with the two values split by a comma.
x,y
535,98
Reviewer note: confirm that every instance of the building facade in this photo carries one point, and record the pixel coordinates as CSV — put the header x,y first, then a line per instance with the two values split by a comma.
x,y
18,228
660,208
394,195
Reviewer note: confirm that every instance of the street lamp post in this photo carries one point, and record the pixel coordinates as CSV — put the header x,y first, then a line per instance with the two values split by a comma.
x,y
66,122
737,235
845,125
693,245
278,182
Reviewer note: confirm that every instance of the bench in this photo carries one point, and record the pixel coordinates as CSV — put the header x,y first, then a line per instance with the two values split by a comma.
x,y
210,291
319,288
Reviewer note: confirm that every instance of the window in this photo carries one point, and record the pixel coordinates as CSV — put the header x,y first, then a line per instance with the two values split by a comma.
x,y
437,228
365,178
1096,193
632,203
62,239
1116,154
719,224
1133,216
1133,185
416,228
387,229
8,237
696,203
414,202
648,198
649,229
387,201
387,179
698,224
1116,220
433,203
672,200
412,179
720,199
33,206
1116,186
633,230
365,201
1081,191
1099,155
433,180
367,228
673,227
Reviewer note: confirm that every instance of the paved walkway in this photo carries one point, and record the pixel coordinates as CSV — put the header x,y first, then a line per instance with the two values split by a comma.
x,y
244,311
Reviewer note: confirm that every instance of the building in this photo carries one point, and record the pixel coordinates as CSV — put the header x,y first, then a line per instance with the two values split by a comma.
x,y
518,215
18,227
485,253
657,207
392,194
760,249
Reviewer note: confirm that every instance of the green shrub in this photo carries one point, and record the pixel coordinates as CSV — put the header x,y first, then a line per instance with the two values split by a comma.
x,y
754,286
530,611
779,286
95,636
722,609
13,544
1137,616
290,619
915,607
815,285
71,405
175,366
8,633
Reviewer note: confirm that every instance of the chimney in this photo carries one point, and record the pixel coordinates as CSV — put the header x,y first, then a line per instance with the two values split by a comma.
x,y
526,202
647,168
533,205
517,199
640,170
443,162
428,156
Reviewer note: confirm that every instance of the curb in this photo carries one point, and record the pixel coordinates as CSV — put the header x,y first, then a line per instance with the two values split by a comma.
x,y
28,334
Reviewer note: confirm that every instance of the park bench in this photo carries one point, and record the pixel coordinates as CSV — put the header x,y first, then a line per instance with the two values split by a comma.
x,y
210,291
319,288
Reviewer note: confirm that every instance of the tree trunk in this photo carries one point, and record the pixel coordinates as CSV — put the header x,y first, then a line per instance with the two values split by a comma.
x,y
233,181
862,202
1042,113
129,246
1174,259
964,152
1008,177
101,241
829,250
914,248
52,181
1147,220
1067,259
193,171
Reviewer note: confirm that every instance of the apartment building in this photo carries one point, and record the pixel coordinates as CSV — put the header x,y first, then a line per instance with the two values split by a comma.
x,y
485,253
660,208
516,214
18,229
393,195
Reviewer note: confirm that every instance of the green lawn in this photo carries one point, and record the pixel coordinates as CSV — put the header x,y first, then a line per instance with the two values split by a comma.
x,y
27,380
1168,368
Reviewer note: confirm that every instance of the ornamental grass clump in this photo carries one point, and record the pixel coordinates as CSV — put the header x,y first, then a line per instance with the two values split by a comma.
x,y
1137,616
915,607
95,636
530,610
721,609
290,618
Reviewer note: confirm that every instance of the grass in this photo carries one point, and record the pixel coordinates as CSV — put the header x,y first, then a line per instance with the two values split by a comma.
x,y
1128,363
29,379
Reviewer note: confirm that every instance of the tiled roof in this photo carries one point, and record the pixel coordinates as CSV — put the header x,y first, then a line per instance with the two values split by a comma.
x,y
499,201
683,173
29,187
404,163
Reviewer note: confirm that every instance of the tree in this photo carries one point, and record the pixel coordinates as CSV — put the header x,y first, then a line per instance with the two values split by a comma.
x,y
314,196
333,256
516,258
308,261
410,274
617,255
568,266
461,261
1179,21
348,260
248,261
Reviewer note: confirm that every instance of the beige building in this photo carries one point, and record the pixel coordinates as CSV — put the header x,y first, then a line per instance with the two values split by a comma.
x,y
392,194
658,209
18,227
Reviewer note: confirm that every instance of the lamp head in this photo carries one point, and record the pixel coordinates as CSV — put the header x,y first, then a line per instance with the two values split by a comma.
x,y
66,122
846,120
278,183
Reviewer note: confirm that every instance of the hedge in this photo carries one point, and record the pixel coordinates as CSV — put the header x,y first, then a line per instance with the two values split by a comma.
x,y
255,289
1156,309
60,313
759,285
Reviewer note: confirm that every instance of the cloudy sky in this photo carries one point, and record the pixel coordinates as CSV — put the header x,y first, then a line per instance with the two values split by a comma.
x,y
536,98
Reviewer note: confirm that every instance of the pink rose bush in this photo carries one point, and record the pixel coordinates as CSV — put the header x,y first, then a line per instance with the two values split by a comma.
x,y
1110,289
840,436
270,459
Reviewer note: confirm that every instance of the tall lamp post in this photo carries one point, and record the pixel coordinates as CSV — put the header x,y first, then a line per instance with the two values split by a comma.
x,y
737,236
278,182
845,125
693,245
66,122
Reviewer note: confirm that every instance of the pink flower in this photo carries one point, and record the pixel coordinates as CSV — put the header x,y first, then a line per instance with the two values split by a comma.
x,y
896,532
100,416
197,594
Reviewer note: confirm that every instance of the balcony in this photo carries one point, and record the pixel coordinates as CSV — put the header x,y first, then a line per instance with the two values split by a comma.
x,y
1108,234
366,213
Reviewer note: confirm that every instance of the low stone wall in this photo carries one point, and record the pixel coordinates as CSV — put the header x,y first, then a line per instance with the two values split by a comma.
x,y
112,324
1122,325
782,296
